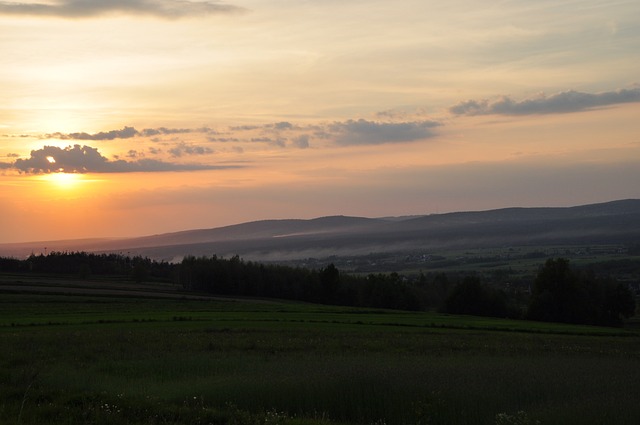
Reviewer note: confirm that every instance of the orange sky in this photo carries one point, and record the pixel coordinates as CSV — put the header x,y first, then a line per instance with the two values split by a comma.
x,y
169,116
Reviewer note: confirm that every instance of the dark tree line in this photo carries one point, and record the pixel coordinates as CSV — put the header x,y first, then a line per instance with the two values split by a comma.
x,y
562,294
83,264
236,277
559,293
327,286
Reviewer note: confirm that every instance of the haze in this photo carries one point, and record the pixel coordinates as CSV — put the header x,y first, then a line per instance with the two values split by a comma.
x,y
144,117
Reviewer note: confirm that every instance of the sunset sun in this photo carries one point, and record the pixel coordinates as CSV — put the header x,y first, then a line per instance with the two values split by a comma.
x,y
65,181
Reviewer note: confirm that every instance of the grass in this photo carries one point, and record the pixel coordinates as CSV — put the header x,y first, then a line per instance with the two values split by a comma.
x,y
104,360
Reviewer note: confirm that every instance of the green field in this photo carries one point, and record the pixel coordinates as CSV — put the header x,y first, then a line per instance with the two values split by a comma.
x,y
122,360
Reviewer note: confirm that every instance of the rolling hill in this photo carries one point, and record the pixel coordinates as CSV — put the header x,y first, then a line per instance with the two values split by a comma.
x,y
616,222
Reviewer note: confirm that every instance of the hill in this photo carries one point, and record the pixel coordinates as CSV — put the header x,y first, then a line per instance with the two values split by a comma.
x,y
616,222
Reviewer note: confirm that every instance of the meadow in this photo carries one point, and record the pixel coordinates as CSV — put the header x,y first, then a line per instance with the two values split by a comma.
x,y
79,359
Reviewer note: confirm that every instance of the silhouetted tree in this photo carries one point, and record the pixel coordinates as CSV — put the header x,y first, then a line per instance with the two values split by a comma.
x,y
556,296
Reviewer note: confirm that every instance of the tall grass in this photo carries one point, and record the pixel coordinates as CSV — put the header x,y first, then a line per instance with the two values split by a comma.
x,y
234,371
334,381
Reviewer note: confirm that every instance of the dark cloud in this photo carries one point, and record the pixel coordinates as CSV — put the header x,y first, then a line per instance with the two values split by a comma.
x,y
74,9
363,132
186,149
569,101
86,159
5,165
13,155
125,133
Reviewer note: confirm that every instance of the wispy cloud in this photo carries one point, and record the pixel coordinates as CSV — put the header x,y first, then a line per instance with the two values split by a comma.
x,y
569,101
188,149
86,159
124,133
74,9
164,130
280,142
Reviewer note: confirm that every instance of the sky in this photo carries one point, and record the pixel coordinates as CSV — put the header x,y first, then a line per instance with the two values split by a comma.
x,y
139,117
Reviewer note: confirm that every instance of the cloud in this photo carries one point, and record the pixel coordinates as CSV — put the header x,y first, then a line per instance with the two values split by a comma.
x,y
302,141
363,132
86,159
245,127
279,142
125,133
569,101
223,139
345,133
281,134
185,149
283,125
5,165
164,130
75,9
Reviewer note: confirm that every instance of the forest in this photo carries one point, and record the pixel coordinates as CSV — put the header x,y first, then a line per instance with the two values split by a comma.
x,y
560,292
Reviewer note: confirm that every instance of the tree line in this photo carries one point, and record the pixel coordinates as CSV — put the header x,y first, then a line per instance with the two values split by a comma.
x,y
559,293
85,264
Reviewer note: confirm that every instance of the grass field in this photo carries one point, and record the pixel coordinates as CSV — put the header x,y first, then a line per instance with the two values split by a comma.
x,y
78,359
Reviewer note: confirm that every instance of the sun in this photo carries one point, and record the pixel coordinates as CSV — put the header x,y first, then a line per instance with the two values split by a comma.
x,y
63,180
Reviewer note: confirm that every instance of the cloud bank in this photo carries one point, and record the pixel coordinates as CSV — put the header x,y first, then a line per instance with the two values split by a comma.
x,y
86,159
363,132
76,9
569,101
282,134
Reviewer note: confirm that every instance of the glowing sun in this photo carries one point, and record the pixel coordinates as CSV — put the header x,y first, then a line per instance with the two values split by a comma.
x,y
64,180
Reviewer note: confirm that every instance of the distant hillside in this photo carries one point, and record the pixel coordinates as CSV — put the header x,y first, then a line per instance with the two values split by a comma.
x,y
616,222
